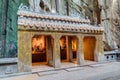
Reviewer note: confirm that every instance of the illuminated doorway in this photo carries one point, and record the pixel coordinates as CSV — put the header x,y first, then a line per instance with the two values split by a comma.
x,y
63,48
42,49
74,47
39,53
89,47
68,48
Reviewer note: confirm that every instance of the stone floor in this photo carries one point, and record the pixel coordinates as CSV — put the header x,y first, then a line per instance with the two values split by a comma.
x,y
101,71
8,69
38,67
12,68
8,66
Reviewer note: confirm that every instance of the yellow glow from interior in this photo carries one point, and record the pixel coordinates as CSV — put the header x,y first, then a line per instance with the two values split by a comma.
x,y
38,43
89,47
62,43
74,44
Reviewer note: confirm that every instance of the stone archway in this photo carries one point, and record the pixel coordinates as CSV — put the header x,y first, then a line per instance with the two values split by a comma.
x,y
89,44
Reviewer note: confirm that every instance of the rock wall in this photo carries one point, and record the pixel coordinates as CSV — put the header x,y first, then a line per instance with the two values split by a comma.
x,y
2,26
105,17
115,21
8,27
110,16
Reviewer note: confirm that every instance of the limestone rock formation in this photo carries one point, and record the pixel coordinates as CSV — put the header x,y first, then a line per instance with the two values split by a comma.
x,y
115,20
110,17
8,27
105,21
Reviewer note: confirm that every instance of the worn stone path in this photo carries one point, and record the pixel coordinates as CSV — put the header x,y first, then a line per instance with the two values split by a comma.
x,y
104,71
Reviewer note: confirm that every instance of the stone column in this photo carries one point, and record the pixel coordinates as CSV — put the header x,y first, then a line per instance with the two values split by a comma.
x,y
70,48
80,50
50,52
67,52
56,50
24,51
99,52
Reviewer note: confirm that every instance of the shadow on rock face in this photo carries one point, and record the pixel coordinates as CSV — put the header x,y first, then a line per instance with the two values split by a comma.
x,y
12,49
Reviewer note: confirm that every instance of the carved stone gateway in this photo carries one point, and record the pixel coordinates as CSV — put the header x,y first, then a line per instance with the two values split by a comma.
x,y
55,26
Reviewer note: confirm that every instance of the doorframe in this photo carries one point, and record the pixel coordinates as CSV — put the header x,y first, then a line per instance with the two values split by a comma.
x,y
45,62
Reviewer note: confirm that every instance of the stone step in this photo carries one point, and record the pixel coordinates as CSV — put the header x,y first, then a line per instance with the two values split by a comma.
x,y
74,69
8,60
47,73
97,65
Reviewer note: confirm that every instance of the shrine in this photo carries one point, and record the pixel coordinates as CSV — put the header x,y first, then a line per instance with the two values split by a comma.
x,y
51,38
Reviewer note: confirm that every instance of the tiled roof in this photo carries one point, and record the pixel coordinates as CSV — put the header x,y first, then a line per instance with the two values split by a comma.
x,y
46,22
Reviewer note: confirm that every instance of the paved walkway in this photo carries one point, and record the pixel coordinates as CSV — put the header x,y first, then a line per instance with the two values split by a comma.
x,y
104,71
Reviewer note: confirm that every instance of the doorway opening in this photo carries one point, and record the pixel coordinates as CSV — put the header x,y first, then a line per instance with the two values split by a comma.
x,y
89,47
63,48
68,48
74,47
42,49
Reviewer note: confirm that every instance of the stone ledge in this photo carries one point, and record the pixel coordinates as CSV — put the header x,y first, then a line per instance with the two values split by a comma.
x,y
8,60
112,52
